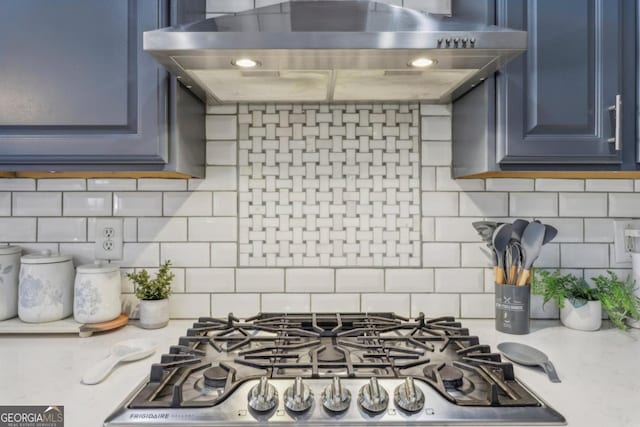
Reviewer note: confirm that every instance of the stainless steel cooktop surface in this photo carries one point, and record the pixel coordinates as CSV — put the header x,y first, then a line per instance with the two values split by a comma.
x,y
350,369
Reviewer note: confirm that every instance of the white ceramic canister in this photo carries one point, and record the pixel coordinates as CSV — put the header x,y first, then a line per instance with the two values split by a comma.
x,y
97,293
46,287
9,269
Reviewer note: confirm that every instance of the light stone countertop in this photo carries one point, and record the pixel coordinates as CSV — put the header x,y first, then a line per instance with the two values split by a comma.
x,y
600,371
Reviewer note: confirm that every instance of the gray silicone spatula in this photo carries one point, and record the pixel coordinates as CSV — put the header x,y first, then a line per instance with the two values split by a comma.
x,y
529,356
531,244
501,239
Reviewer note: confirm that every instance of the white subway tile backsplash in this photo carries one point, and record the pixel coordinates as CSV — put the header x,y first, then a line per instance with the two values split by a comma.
x,y
580,255
224,254
435,305
17,229
609,185
228,6
544,184
484,204
218,229
346,303
598,230
17,184
583,204
162,229
436,153
221,127
329,202
210,280
111,184
624,205
440,254
439,204
478,306
409,280
509,184
360,280
82,253
260,280
86,204
186,254
456,230
137,203
241,305
310,280
474,255
218,178
540,310
188,204
221,153
161,184
436,128
141,255
569,229
459,280
286,303
62,184
62,229
5,204
225,203
533,204
189,306
37,204
397,303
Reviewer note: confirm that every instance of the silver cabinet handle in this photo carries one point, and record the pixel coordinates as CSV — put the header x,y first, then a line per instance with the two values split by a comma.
x,y
617,138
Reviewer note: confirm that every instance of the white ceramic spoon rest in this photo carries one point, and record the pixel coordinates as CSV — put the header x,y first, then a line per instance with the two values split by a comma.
x,y
125,351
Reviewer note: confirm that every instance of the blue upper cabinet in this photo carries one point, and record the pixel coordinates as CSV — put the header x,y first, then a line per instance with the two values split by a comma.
x,y
557,103
79,93
567,104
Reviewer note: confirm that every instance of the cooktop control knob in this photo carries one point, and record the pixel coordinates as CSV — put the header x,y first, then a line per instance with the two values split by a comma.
x,y
373,397
409,397
334,397
263,397
298,397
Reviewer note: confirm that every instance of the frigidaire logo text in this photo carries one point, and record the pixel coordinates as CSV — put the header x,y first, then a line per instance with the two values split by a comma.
x,y
31,416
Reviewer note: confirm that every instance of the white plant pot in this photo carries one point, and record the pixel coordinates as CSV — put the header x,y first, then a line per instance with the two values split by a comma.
x,y
585,318
154,314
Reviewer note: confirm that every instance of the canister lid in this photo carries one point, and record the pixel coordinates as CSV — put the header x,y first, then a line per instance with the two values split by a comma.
x,y
97,267
10,250
44,257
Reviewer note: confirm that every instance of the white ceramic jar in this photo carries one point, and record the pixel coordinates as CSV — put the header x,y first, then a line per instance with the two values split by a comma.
x,y
45,288
9,269
97,293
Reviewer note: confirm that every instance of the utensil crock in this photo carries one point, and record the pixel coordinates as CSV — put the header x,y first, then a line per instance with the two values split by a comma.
x,y
513,309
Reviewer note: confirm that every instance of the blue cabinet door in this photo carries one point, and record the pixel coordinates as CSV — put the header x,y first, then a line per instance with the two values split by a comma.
x,y
553,103
76,88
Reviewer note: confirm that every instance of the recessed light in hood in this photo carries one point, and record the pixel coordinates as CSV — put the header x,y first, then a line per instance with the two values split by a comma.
x,y
328,50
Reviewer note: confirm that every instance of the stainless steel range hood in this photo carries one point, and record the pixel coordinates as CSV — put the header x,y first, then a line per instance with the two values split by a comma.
x,y
332,51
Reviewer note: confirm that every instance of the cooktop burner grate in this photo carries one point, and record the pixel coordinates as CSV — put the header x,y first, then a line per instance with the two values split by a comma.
x,y
218,355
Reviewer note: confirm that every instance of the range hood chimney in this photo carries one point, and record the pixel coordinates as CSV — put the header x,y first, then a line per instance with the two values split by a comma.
x,y
332,51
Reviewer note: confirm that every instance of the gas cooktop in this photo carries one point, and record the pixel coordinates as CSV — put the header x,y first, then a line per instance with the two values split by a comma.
x,y
314,369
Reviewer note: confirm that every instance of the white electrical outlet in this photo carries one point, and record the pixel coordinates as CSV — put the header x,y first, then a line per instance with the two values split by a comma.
x,y
109,238
622,257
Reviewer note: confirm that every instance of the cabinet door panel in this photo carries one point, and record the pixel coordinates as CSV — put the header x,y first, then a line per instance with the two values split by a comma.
x,y
553,102
76,86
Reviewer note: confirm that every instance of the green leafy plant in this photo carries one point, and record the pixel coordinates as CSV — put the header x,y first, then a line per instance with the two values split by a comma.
x,y
617,297
153,289
615,294
554,286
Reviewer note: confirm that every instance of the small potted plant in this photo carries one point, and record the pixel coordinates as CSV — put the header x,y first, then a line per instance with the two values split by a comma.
x,y
153,295
581,305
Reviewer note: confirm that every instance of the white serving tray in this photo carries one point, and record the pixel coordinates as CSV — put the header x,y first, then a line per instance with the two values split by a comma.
x,y
64,326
